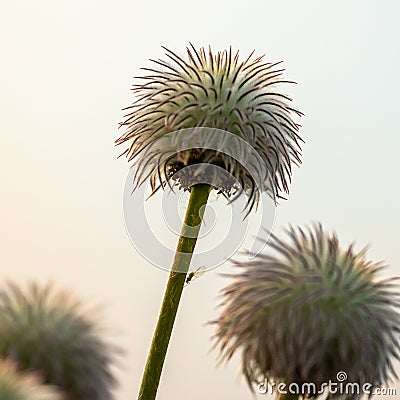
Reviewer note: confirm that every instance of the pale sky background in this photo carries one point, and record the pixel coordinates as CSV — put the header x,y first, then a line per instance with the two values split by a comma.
x,y
66,70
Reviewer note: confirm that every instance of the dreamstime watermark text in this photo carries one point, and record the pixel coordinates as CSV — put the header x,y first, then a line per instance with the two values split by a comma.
x,y
340,386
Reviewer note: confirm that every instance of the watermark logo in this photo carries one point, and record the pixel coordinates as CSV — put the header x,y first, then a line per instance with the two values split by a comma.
x,y
339,386
154,223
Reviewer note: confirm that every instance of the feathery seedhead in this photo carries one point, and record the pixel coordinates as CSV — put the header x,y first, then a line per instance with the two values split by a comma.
x,y
223,94
309,311
17,386
46,331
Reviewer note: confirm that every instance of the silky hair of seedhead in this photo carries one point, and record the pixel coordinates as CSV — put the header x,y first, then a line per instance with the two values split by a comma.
x,y
214,91
15,385
45,330
309,309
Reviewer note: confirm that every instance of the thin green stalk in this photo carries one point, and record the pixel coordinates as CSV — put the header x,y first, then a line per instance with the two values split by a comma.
x,y
184,251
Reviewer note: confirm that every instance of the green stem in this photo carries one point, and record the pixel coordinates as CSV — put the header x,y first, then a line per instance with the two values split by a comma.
x,y
184,251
